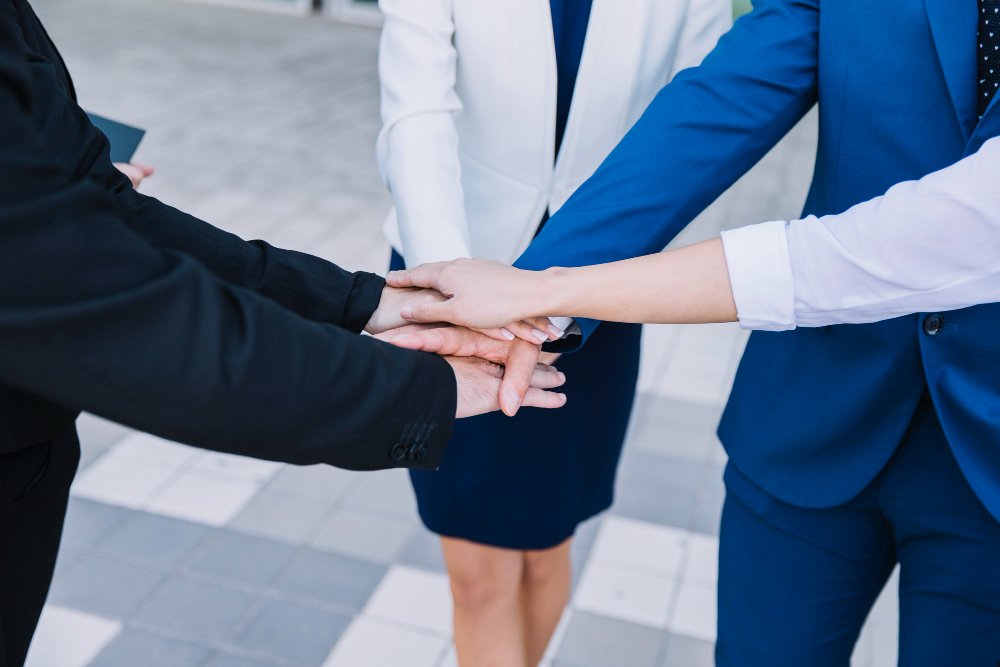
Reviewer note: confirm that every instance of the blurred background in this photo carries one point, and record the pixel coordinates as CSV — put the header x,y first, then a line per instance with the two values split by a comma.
x,y
261,118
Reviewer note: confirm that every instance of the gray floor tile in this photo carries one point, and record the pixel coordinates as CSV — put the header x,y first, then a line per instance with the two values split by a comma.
x,y
281,517
133,648
708,511
230,660
104,586
155,539
388,491
679,414
320,480
687,652
197,609
660,489
375,537
423,551
244,558
333,578
89,522
596,641
302,635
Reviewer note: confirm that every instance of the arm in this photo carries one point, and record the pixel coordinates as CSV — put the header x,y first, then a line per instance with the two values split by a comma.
x,y
932,244
418,146
307,285
93,317
926,245
698,136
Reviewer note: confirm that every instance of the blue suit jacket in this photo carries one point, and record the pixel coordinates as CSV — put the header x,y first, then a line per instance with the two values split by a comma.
x,y
815,414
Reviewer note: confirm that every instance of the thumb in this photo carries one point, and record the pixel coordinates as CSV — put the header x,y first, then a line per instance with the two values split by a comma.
x,y
516,381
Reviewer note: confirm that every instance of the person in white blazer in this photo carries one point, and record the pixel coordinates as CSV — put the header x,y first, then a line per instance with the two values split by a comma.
x,y
493,114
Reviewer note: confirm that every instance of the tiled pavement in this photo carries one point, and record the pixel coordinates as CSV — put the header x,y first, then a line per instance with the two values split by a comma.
x,y
264,125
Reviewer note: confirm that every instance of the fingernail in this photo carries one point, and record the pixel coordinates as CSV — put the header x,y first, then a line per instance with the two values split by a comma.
x,y
406,313
506,334
513,401
563,397
556,331
540,335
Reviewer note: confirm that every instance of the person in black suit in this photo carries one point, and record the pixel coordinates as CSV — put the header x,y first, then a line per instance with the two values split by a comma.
x,y
114,303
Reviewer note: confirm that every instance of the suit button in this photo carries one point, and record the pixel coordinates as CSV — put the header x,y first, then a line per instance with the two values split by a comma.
x,y
933,325
398,452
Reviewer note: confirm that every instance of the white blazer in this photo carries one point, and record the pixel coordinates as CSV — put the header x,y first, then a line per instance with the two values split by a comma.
x,y
469,109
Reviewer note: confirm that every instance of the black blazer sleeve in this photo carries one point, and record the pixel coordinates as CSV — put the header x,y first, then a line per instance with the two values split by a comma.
x,y
96,315
310,286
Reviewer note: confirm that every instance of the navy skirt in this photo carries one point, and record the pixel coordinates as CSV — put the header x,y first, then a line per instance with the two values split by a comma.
x,y
528,482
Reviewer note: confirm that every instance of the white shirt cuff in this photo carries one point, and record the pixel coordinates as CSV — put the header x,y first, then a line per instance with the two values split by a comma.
x,y
567,324
760,272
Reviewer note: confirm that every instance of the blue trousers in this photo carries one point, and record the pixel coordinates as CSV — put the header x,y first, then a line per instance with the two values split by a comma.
x,y
796,584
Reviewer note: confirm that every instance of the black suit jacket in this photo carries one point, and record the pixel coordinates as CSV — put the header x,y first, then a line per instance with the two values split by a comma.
x,y
117,304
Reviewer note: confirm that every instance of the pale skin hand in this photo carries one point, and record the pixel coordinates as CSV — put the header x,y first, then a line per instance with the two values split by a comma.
x,y
520,358
479,380
688,285
136,172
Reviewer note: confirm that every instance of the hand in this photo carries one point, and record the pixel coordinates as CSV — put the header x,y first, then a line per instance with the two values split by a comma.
x,y
519,357
479,382
136,172
394,300
480,295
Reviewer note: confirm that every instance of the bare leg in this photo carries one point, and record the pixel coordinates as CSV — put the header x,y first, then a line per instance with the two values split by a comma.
x,y
545,588
486,589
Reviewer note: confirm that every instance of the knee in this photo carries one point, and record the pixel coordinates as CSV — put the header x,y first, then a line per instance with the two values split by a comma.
x,y
547,568
478,584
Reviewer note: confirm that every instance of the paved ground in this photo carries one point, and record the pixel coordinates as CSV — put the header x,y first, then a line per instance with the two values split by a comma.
x,y
264,125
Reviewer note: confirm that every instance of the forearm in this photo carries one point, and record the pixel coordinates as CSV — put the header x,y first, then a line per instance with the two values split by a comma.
x,y
687,285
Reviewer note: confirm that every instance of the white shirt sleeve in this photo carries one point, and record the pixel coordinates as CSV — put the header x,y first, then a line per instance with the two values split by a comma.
x,y
417,148
927,245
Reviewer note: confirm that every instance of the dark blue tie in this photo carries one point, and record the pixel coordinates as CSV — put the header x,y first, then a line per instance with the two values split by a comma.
x,y
989,52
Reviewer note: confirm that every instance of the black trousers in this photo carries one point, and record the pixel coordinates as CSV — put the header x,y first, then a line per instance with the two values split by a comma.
x,y
34,491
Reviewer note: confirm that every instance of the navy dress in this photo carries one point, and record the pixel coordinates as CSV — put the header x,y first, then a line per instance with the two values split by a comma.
x,y
528,482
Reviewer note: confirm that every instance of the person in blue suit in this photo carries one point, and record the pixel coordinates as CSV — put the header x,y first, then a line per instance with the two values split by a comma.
x,y
851,448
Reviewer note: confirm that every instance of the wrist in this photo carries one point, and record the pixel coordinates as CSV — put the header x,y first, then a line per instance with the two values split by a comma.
x,y
553,293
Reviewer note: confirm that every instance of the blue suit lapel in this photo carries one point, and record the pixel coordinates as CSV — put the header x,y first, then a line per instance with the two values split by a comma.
x,y
954,24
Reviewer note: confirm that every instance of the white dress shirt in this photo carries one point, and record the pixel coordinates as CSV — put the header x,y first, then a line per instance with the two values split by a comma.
x,y
927,245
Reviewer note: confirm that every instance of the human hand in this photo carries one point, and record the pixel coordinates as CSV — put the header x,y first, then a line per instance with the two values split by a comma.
x,y
387,316
479,383
519,357
136,172
481,294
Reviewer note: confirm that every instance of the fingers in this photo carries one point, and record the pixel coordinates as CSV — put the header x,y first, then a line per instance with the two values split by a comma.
x,y
451,341
527,332
442,311
539,398
546,377
425,275
521,362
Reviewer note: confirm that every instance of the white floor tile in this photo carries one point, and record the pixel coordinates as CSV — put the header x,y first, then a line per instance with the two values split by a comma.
x,y
702,561
239,468
193,497
69,638
148,449
415,598
640,546
117,481
625,594
695,613
370,642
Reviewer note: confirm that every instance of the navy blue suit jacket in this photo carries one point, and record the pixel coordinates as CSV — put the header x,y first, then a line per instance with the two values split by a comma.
x,y
815,414
115,303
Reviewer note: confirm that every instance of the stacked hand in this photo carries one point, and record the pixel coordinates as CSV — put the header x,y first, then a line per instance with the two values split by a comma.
x,y
496,365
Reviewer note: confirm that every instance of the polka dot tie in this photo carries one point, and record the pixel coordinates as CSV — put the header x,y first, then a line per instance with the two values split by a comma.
x,y
989,52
